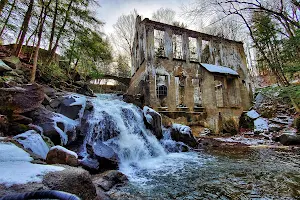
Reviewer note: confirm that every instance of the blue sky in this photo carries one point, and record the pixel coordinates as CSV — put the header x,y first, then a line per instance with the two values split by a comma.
x,y
110,10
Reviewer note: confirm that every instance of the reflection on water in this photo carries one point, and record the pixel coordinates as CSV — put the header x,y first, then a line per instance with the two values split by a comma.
x,y
242,174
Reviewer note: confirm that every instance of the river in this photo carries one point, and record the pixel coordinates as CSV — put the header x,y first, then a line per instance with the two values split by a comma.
x,y
244,174
156,173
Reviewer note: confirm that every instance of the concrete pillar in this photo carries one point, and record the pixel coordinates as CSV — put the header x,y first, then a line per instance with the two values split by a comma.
x,y
150,44
185,47
222,55
199,48
168,43
211,52
144,35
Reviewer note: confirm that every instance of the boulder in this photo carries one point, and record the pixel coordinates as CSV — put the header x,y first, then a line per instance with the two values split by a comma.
x,y
21,99
47,100
85,90
259,99
16,128
21,119
54,103
13,62
289,139
73,180
33,142
90,164
4,125
4,67
58,128
261,125
230,126
69,108
246,121
105,155
110,179
49,91
43,118
101,157
61,155
153,121
182,133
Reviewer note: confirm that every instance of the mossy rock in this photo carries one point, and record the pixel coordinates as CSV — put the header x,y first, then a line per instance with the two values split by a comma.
x,y
230,126
297,123
16,128
13,62
48,141
267,113
246,122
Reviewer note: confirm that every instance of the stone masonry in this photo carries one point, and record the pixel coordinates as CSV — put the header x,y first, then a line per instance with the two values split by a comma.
x,y
181,74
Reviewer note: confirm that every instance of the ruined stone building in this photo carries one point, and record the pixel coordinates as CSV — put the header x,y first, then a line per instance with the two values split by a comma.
x,y
181,73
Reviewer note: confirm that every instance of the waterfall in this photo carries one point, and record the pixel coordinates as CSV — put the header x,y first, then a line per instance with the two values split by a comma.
x,y
120,126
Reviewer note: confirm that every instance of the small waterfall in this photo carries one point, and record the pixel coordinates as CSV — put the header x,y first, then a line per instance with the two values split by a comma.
x,y
120,126
170,145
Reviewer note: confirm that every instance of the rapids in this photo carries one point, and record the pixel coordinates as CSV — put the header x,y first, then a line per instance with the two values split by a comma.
x,y
156,170
120,126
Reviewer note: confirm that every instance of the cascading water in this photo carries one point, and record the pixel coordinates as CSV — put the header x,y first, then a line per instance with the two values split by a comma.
x,y
120,126
157,173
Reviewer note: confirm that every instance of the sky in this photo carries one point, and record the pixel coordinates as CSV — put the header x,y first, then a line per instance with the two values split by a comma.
x,y
110,10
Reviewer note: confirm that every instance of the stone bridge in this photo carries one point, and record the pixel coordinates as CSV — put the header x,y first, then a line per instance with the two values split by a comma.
x,y
124,80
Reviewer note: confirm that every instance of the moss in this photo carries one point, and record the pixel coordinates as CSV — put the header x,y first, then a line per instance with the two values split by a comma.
x,y
16,128
230,126
246,122
293,93
289,95
268,113
48,141
297,123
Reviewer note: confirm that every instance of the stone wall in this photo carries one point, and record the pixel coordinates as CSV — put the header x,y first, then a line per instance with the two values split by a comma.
x,y
168,76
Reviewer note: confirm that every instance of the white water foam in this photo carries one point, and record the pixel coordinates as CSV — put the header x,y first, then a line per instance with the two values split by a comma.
x,y
122,128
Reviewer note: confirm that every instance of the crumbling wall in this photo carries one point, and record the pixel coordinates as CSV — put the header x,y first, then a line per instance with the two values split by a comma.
x,y
166,61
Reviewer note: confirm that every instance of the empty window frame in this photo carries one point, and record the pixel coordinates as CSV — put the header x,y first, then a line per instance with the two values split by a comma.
x,y
193,49
232,94
205,55
219,91
197,92
177,46
161,91
159,44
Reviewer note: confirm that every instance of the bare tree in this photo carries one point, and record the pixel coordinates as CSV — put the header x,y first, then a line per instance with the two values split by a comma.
x,y
60,32
2,4
279,10
24,28
53,25
41,23
124,30
8,16
164,15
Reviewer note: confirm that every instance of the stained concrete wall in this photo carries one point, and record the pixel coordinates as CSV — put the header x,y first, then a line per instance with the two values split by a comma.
x,y
194,94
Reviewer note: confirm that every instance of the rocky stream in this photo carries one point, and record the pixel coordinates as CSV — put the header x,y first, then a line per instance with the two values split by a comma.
x,y
103,148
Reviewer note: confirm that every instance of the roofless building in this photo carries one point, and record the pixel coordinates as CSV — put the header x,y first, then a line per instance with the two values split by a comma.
x,y
189,77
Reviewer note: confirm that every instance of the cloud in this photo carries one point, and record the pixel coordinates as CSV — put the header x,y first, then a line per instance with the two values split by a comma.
x,y
110,10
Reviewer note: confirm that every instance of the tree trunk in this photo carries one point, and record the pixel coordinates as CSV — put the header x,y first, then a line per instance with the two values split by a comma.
x,y
43,16
8,16
53,26
24,27
32,34
2,4
33,44
62,28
